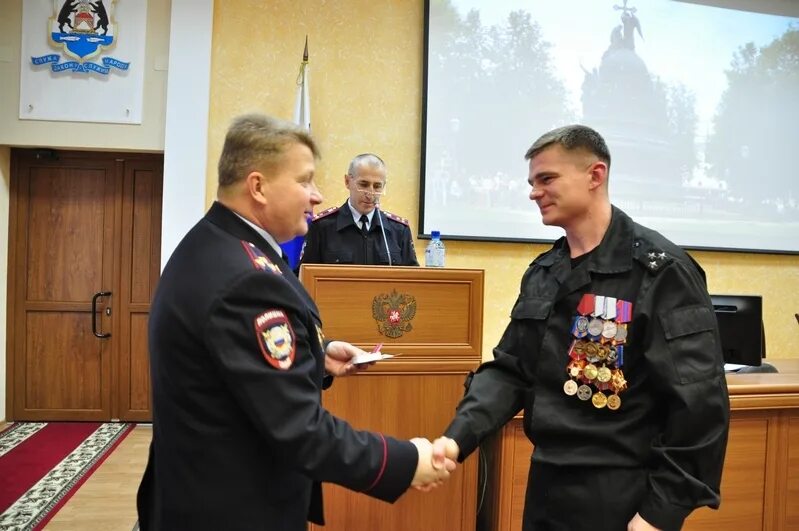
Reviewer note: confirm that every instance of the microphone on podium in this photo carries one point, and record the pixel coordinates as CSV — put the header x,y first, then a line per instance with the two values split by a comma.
x,y
383,230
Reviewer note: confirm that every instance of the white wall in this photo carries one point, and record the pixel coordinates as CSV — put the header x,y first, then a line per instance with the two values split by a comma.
x,y
182,127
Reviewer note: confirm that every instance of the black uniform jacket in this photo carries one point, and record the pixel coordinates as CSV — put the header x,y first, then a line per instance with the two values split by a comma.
x,y
674,416
334,238
240,438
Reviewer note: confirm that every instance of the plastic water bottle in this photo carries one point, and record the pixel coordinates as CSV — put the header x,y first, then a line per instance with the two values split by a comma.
x,y
434,253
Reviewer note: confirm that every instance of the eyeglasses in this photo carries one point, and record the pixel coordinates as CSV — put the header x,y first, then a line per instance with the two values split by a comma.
x,y
371,189
371,193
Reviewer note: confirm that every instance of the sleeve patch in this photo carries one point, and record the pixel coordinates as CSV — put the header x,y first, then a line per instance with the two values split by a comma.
x,y
276,338
259,259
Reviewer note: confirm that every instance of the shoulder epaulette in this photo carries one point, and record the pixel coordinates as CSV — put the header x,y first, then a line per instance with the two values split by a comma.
x,y
653,259
259,259
394,217
325,213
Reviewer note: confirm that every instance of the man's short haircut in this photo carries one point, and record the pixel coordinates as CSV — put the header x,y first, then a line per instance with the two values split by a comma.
x,y
366,159
572,138
256,142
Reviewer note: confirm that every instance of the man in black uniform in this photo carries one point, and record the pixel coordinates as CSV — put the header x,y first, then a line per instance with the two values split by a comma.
x,y
614,354
359,232
239,359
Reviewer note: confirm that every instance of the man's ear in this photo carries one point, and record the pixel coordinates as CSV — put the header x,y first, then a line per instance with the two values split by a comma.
x,y
599,174
254,183
347,179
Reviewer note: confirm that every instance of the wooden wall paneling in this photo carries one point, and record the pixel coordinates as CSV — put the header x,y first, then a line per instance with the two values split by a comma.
x,y
791,420
743,481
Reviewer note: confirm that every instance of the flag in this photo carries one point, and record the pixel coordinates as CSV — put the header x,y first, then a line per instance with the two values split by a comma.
x,y
302,117
302,105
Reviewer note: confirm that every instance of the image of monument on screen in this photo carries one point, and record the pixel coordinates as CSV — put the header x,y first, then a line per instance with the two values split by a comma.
x,y
699,105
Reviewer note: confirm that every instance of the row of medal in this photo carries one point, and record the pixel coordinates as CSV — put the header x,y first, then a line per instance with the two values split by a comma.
x,y
596,354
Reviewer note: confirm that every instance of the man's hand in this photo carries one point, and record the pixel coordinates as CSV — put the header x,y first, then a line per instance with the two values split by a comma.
x,y
444,449
639,524
429,476
338,359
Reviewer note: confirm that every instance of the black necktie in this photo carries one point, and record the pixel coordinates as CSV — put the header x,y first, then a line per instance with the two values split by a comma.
x,y
364,225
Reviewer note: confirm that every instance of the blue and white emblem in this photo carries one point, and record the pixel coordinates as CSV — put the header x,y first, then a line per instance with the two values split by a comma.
x,y
82,29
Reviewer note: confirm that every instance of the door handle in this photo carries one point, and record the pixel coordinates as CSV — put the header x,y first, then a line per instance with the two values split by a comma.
x,y
94,313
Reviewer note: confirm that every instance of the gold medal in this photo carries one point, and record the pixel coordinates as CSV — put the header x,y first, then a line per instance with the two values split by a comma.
x,y
590,371
614,402
570,387
603,352
599,400
583,392
603,374
591,350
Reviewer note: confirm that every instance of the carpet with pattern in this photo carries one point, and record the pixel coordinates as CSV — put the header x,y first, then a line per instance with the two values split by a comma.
x,y
42,464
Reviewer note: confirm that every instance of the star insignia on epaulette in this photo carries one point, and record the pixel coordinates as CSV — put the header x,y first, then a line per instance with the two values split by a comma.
x,y
657,259
325,213
259,259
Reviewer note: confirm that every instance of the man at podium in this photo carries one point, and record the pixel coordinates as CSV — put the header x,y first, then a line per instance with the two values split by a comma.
x,y
359,231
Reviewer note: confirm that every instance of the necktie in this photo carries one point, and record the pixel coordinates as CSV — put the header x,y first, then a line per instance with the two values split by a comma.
x,y
364,225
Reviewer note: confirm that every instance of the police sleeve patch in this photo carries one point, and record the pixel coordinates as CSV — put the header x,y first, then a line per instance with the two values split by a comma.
x,y
276,338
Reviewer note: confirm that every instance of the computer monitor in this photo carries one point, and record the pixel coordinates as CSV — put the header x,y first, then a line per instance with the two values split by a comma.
x,y
740,319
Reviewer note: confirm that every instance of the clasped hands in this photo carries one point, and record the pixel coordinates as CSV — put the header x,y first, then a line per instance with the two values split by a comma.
x,y
436,462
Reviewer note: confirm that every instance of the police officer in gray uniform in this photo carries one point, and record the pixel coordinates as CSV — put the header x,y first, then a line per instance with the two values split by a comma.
x,y
359,232
613,352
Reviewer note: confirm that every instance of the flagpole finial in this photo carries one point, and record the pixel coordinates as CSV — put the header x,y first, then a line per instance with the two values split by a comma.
x,y
305,53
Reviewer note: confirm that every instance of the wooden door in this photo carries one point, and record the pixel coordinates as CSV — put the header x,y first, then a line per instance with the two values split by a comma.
x,y
83,250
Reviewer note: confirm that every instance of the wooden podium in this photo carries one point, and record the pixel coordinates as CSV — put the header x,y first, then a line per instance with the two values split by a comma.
x,y
432,319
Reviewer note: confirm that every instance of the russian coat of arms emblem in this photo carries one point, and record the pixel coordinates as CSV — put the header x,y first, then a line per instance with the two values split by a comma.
x,y
393,313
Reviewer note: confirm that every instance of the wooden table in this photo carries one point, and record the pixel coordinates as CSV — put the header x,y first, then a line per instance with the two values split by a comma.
x,y
760,482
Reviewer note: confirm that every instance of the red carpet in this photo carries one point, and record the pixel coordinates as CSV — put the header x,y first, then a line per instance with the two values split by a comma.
x,y
43,464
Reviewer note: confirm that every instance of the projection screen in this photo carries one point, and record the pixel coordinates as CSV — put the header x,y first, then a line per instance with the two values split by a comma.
x,y
699,105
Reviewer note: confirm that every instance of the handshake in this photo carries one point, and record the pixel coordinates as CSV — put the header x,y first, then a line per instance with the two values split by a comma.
x,y
436,461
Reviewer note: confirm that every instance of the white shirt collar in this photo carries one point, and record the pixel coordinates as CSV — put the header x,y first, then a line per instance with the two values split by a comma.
x,y
356,216
265,235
